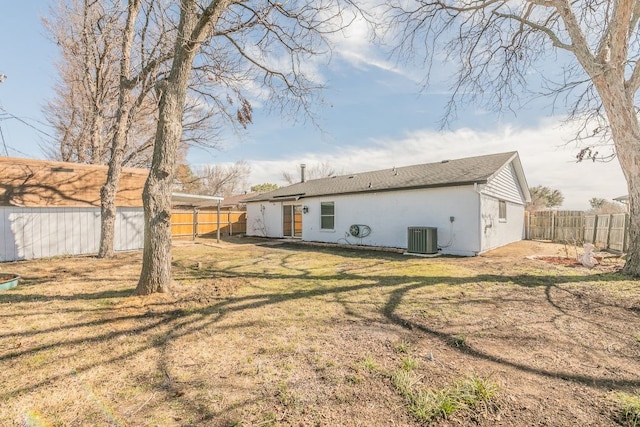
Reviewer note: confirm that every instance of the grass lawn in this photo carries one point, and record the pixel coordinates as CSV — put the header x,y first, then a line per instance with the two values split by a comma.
x,y
261,334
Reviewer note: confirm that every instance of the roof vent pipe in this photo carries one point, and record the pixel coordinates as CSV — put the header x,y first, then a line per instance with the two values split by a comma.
x,y
302,167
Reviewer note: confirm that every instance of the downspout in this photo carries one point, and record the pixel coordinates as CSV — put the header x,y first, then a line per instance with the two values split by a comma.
x,y
218,231
194,226
479,217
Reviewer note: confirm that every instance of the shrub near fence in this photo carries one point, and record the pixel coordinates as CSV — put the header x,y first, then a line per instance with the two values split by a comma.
x,y
608,231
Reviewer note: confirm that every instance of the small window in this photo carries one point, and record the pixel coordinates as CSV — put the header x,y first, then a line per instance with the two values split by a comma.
x,y
327,216
502,211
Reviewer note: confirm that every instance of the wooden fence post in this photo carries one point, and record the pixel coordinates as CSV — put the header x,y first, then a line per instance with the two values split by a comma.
x,y
194,228
218,231
609,230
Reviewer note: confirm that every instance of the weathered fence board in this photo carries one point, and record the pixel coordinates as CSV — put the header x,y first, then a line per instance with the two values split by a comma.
x,y
568,226
602,231
540,225
605,231
618,232
589,235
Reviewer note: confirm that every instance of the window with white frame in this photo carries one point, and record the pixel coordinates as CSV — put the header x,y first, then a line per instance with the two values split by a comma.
x,y
502,211
327,216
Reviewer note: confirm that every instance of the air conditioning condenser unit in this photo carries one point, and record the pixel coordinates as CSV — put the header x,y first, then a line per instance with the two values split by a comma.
x,y
422,240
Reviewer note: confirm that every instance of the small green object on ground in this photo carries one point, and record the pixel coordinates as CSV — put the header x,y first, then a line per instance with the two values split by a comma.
x,y
8,281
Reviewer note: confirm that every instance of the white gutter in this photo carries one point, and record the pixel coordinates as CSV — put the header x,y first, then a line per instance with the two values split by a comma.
x,y
195,200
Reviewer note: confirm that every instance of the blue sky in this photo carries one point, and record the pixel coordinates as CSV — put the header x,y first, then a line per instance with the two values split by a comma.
x,y
375,116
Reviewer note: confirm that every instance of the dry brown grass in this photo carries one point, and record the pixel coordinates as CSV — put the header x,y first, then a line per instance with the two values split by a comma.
x,y
256,334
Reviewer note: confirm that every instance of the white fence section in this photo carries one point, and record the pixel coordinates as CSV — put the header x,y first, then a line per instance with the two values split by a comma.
x,y
29,233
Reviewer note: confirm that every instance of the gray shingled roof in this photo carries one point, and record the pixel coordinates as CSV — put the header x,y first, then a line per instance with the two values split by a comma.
x,y
442,174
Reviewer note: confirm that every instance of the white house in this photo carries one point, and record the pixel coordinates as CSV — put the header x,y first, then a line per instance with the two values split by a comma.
x,y
458,207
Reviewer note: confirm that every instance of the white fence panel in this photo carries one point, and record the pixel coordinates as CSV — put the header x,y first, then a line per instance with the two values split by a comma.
x,y
8,249
29,233
129,229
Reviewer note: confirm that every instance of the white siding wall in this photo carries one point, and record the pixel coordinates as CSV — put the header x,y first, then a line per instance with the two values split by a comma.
x,y
505,186
264,219
496,233
29,233
388,214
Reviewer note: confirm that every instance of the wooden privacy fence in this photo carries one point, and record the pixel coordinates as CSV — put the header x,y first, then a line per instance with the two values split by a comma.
x,y
204,223
605,231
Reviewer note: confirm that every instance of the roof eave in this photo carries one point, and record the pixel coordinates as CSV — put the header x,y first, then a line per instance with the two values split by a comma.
x,y
370,190
522,179
195,200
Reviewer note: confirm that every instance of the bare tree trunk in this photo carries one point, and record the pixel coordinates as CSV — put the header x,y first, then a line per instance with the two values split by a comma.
x,y
110,188
627,143
194,27
628,151
632,266
156,262
625,129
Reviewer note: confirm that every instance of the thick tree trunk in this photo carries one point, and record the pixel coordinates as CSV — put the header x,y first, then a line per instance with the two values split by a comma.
x,y
629,158
156,261
625,130
195,26
632,265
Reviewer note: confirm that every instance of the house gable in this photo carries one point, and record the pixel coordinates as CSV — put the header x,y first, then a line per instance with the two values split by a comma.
x,y
505,185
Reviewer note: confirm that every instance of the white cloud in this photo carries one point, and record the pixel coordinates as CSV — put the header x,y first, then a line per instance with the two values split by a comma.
x,y
546,157
355,45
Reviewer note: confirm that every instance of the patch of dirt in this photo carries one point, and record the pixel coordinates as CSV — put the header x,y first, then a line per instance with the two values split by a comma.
x,y
560,261
255,334
526,248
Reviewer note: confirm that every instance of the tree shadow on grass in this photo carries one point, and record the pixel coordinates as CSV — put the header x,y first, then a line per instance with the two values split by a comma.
x,y
172,324
453,342
14,297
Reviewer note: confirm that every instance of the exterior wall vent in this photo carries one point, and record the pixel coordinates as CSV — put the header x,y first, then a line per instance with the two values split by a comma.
x,y
422,240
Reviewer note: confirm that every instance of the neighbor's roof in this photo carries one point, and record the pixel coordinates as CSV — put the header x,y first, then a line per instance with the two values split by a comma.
x,y
238,199
40,183
446,173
